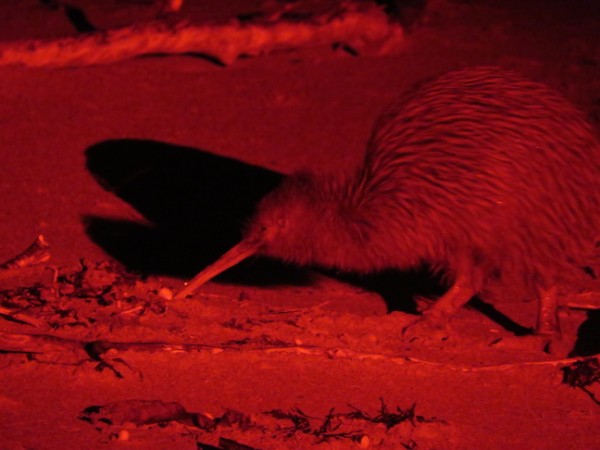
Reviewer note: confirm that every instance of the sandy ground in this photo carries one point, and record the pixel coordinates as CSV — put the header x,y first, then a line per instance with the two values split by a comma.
x,y
151,164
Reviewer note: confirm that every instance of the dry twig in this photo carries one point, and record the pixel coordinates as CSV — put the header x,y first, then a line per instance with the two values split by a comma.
x,y
38,252
353,26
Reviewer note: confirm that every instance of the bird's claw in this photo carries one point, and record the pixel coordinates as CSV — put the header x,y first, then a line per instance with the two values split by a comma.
x,y
425,328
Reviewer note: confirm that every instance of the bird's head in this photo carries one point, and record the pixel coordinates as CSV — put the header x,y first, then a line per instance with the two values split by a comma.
x,y
281,227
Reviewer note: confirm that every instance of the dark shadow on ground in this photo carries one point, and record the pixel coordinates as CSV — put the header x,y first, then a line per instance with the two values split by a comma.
x,y
500,318
195,204
398,289
588,336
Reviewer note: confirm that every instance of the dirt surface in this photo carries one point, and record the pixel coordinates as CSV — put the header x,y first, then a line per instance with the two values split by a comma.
x,y
139,173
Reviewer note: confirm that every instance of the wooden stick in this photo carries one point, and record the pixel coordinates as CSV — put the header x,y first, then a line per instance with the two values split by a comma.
x,y
37,252
20,317
223,42
41,343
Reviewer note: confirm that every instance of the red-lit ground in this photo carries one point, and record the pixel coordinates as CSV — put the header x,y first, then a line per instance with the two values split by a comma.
x,y
182,147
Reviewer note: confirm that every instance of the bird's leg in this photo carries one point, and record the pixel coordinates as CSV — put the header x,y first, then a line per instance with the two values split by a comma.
x,y
437,315
455,298
548,325
547,321
547,337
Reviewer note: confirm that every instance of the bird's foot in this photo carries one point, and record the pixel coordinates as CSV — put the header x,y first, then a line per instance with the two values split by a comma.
x,y
426,328
552,345
556,346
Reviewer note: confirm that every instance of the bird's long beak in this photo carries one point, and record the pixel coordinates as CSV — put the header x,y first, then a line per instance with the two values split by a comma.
x,y
241,251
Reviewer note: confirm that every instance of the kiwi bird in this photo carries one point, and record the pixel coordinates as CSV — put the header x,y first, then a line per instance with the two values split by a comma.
x,y
478,174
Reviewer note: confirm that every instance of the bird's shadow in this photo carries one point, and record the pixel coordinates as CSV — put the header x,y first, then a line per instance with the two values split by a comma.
x,y
195,204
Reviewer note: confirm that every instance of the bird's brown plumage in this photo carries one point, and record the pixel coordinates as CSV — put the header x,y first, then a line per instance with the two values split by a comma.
x,y
485,176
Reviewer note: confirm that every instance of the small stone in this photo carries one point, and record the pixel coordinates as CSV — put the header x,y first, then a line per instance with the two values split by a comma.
x,y
165,293
365,442
123,435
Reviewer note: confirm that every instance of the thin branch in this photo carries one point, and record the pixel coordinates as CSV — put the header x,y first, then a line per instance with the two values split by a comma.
x,y
356,27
